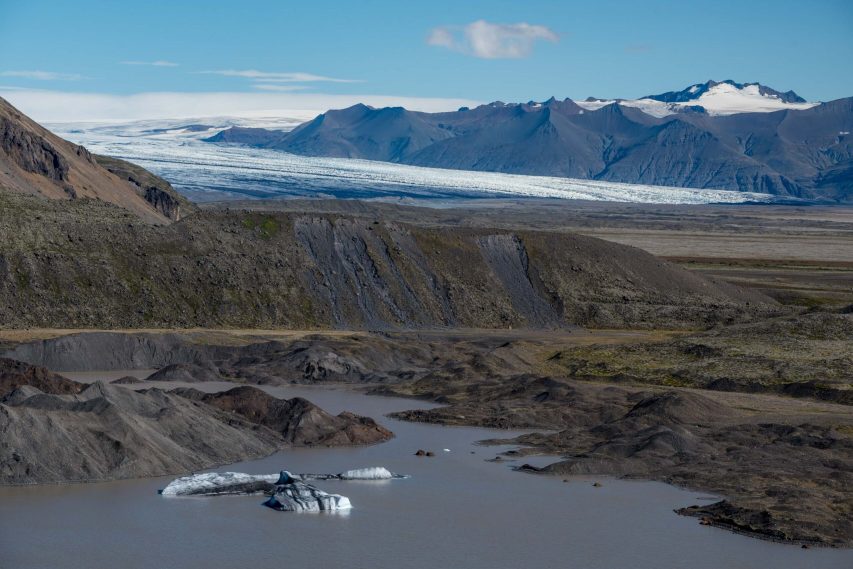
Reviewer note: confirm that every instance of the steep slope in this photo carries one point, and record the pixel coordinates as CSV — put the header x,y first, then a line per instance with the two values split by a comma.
x,y
784,147
35,161
78,266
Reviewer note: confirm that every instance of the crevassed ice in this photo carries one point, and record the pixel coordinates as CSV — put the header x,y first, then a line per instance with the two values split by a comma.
x,y
223,171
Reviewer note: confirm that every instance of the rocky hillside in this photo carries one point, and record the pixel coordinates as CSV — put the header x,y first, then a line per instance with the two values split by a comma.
x,y
85,264
803,152
56,430
35,161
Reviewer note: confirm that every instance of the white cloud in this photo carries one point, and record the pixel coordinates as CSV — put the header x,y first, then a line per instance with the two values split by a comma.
x,y
62,106
289,77
491,41
158,63
42,75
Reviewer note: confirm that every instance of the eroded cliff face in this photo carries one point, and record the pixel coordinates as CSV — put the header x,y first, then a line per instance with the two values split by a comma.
x,y
86,264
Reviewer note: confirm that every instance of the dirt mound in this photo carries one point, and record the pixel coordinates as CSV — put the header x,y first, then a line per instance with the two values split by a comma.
x,y
678,407
103,431
15,374
127,380
189,373
297,420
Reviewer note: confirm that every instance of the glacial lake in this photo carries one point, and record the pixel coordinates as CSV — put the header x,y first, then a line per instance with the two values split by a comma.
x,y
456,511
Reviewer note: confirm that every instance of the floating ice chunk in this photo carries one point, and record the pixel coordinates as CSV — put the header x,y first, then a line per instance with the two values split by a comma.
x,y
372,473
447,450
217,483
301,497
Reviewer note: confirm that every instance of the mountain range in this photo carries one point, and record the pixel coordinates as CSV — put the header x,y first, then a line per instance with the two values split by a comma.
x,y
715,135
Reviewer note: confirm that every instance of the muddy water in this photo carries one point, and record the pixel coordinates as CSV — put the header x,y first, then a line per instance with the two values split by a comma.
x,y
456,511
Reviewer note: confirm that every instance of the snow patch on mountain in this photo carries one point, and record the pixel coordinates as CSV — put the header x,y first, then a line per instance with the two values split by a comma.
x,y
724,98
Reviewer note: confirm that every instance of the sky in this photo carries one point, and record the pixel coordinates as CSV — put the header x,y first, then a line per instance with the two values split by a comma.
x,y
92,59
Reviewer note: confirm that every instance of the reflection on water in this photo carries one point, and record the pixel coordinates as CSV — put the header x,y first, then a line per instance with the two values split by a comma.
x,y
457,510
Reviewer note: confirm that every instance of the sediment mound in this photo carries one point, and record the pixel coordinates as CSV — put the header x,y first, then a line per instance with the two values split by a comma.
x,y
678,407
103,432
297,420
15,374
188,373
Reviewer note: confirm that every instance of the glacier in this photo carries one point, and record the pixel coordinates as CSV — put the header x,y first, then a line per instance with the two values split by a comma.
x,y
216,172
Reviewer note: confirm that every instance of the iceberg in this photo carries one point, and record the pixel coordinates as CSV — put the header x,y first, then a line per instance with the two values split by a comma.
x,y
219,483
296,496
223,483
373,473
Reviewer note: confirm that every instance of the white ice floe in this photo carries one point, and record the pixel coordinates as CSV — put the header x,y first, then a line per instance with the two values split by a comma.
x,y
373,473
213,483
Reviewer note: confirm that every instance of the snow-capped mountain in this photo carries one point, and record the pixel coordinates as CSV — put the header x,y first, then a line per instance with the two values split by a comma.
x,y
712,97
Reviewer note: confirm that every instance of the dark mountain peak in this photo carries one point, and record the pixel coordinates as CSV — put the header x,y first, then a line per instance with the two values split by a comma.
x,y
694,92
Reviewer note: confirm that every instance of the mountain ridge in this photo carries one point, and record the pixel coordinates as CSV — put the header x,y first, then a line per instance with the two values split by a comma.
x,y
803,153
35,161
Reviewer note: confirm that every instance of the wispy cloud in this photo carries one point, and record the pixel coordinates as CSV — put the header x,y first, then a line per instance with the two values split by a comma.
x,y
639,48
491,41
42,75
158,63
278,87
286,77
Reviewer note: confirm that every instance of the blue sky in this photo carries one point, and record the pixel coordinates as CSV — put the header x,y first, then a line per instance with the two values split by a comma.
x,y
420,54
